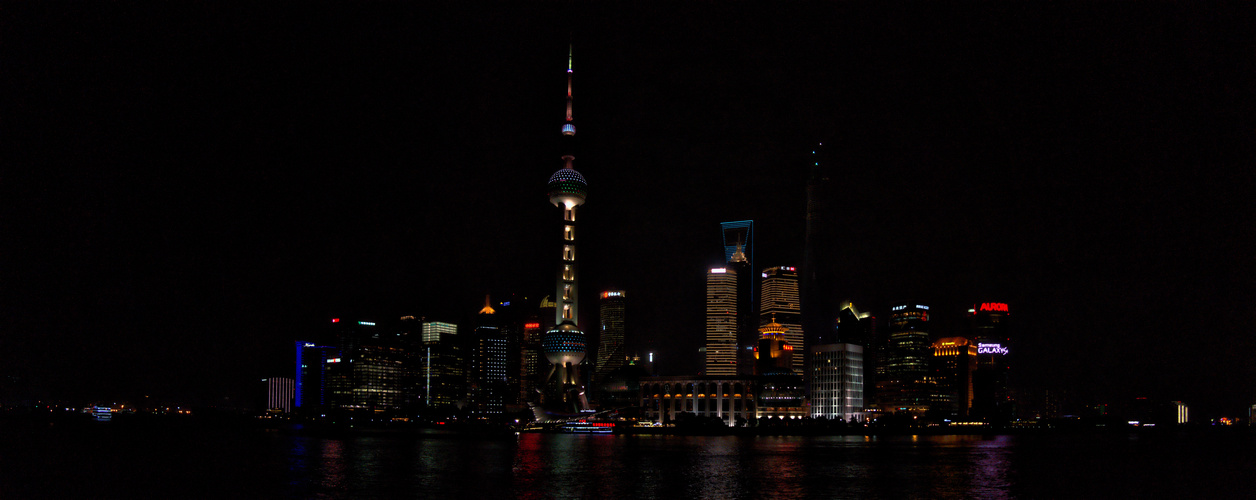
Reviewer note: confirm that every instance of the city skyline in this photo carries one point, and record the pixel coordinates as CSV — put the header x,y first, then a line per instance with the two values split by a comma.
x,y
197,195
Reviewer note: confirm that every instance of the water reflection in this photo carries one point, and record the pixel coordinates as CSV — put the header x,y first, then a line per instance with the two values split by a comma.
x,y
723,467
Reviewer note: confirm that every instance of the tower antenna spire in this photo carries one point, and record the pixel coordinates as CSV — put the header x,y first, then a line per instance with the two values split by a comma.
x,y
569,128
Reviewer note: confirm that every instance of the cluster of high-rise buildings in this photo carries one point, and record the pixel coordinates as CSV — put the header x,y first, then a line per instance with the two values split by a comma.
x,y
416,366
759,359
856,369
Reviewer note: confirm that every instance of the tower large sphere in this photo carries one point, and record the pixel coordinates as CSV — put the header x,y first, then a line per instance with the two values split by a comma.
x,y
567,188
564,344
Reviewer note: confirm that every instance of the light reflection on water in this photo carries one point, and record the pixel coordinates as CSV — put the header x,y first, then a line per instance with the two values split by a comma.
x,y
724,467
219,463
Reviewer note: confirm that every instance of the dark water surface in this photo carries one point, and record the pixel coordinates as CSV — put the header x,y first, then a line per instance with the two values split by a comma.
x,y
95,462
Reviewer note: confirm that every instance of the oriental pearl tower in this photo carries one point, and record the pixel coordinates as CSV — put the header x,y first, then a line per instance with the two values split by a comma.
x,y
564,345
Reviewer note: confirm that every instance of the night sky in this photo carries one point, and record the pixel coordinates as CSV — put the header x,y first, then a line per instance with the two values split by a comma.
x,y
189,189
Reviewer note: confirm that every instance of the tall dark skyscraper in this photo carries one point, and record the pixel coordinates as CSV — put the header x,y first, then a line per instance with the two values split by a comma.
x,y
818,274
779,303
610,348
902,387
989,328
564,345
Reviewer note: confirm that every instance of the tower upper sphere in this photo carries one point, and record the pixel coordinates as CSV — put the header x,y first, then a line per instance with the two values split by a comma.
x,y
567,188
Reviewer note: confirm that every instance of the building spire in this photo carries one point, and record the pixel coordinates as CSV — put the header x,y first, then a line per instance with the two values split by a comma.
x,y
569,128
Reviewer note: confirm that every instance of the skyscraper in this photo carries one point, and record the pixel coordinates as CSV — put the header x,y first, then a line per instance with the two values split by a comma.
x,y
530,358
367,372
954,359
610,349
488,365
311,391
989,326
779,303
442,373
903,387
738,238
721,322
820,254
564,345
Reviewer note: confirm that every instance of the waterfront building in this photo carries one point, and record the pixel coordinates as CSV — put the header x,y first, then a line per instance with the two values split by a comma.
x,y
837,381
280,392
781,393
731,399
376,378
779,303
1183,413
310,388
952,366
368,368
721,322
564,344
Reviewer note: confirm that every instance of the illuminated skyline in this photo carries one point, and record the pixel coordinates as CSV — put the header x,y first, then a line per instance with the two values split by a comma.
x,y
210,188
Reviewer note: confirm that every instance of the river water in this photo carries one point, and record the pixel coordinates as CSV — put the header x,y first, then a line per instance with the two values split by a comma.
x,y
102,462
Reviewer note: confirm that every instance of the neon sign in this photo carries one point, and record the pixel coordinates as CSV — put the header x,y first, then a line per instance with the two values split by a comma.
x,y
367,323
531,325
335,320
991,349
720,270
621,294
993,306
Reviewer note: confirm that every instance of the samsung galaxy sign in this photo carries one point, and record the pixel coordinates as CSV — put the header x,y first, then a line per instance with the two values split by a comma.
x,y
991,349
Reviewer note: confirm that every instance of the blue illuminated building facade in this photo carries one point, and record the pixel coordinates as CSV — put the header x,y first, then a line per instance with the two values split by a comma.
x,y
310,391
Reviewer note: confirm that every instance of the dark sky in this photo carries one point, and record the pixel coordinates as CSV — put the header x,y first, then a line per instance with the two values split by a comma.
x,y
189,189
